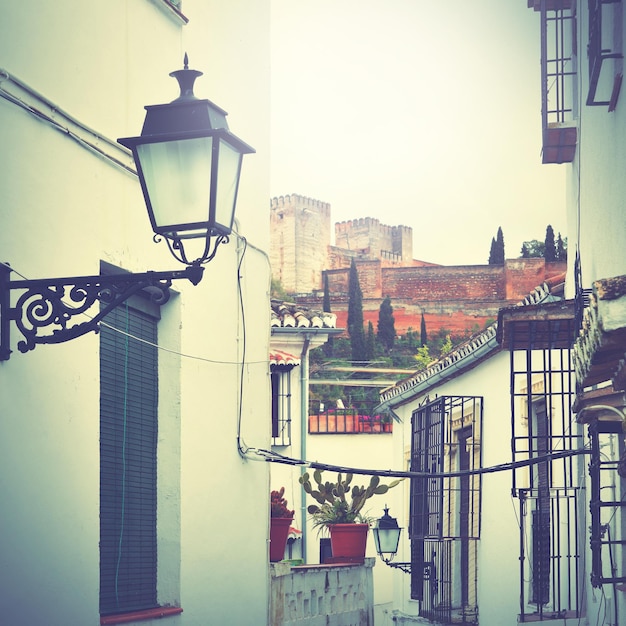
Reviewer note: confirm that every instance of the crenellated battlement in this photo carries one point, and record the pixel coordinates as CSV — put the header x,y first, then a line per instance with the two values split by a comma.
x,y
301,242
293,200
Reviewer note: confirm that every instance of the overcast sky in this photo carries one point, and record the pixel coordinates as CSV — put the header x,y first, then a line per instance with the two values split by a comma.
x,y
416,112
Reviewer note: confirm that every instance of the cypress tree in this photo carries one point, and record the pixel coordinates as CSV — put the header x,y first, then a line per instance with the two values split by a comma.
x,y
492,252
386,324
499,251
423,337
371,342
561,249
328,346
550,249
355,316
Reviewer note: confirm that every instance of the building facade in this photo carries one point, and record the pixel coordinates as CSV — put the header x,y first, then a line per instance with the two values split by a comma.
x,y
136,427
554,409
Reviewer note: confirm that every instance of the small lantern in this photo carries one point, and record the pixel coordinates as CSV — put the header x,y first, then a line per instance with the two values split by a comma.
x,y
188,164
386,536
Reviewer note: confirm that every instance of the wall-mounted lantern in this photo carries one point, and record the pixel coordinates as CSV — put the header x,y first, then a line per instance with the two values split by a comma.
x,y
188,164
386,539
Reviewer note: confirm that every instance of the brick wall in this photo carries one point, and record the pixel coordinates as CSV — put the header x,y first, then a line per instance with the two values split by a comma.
x,y
457,298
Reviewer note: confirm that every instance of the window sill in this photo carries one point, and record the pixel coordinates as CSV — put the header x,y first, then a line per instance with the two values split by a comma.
x,y
136,616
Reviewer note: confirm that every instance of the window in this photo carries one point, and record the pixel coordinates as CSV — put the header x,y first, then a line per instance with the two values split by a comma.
x,y
128,461
548,491
605,57
558,79
280,378
445,512
607,502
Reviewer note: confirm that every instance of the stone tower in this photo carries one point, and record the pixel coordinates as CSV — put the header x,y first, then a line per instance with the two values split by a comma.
x,y
299,241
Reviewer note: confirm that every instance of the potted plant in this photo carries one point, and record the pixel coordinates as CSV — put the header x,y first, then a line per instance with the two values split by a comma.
x,y
280,521
340,510
385,420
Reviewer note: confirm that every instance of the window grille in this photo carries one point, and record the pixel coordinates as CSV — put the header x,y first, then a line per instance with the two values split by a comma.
x,y
549,494
445,512
281,404
607,503
558,79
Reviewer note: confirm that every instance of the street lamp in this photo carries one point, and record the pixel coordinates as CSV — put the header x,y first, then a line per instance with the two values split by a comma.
x,y
386,538
188,164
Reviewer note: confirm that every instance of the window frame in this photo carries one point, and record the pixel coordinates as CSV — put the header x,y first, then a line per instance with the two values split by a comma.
x,y
281,398
128,461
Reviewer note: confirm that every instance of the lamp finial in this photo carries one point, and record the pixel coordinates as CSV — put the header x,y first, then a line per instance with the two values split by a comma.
x,y
186,79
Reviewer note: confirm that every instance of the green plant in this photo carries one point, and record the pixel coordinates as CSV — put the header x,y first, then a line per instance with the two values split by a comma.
x,y
279,504
339,502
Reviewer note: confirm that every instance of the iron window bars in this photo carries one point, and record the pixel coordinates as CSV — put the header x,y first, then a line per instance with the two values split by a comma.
x,y
445,512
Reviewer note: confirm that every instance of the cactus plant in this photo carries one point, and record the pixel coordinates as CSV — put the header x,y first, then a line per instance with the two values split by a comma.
x,y
279,504
340,502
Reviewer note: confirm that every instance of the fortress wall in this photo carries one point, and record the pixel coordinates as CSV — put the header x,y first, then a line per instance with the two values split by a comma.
x,y
463,282
299,241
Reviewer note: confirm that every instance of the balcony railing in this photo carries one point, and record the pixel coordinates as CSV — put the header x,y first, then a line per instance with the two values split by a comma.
x,y
348,422
309,595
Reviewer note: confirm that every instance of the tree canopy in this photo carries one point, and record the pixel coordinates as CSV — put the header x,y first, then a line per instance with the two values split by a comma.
x,y
355,316
386,324
496,253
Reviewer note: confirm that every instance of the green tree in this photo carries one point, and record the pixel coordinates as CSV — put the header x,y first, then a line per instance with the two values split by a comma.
x,y
496,253
533,248
329,345
423,334
370,344
423,357
561,248
277,290
386,324
549,249
492,252
355,316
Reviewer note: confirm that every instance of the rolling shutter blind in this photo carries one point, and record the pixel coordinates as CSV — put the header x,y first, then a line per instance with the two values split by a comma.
x,y
128,438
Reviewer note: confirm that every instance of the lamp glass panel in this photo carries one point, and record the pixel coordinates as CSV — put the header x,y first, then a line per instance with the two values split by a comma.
x,y
177,177
229,167
387,540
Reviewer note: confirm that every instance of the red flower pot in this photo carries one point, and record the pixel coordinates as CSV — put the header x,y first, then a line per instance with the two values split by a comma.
x,y
279,531
348,540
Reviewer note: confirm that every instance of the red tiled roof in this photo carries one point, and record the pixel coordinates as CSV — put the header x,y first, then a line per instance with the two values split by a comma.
x,y
289,315
278,357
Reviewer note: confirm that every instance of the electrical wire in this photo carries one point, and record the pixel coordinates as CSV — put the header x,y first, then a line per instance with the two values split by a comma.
x,y
274,457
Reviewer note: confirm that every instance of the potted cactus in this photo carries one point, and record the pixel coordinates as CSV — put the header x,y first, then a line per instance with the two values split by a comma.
x,y
280,521
340,510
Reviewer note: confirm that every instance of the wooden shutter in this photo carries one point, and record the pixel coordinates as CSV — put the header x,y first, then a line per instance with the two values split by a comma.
x,y
128,439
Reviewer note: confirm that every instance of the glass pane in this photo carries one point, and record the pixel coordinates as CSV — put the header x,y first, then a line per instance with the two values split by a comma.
x,y
229,165
178,178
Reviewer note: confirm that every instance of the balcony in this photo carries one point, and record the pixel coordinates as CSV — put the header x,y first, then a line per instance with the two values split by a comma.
x,y
348,422
310,595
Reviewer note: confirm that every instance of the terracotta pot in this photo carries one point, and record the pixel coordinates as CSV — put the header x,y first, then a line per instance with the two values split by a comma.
x,y
279,531
348,540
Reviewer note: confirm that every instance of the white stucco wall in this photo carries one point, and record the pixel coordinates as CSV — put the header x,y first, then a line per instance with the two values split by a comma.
x,y
596,183
63,210
498,547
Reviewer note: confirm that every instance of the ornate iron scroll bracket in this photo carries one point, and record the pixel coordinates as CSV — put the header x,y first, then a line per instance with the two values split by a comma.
x,y
51,303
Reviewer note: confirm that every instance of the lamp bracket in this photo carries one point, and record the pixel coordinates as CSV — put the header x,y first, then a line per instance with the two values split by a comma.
x,y
53,302
429,567
405,567
177,248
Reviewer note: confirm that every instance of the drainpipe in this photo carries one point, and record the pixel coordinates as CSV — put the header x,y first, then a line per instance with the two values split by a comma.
x,y
304,421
